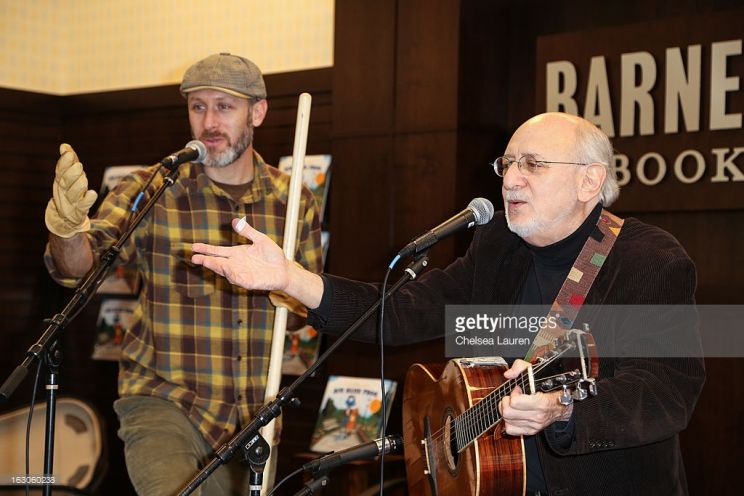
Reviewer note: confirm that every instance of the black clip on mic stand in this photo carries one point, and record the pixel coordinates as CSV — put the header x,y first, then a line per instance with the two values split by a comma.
x,y
249,436
46,347
318,482
257,452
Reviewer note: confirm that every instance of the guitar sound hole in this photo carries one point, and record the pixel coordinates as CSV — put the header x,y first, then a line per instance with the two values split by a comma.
x,y
450,445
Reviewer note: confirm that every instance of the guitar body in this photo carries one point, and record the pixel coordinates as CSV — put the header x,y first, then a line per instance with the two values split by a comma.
x,y
433,396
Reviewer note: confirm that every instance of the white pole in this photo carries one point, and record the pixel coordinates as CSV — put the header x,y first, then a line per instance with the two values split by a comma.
x,y
290,245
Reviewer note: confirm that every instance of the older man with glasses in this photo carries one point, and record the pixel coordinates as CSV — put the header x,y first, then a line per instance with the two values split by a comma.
x,y
625,441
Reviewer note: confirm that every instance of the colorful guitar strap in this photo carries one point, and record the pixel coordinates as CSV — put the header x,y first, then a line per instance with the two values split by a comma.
x,y
578,283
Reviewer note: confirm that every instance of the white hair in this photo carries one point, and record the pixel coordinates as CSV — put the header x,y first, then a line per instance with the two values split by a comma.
x,y
593,146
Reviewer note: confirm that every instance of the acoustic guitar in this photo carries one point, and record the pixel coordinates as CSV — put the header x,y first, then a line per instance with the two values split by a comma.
x,y
452,439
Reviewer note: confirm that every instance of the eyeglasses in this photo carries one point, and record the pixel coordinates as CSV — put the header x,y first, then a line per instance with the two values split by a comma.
x,y
527,164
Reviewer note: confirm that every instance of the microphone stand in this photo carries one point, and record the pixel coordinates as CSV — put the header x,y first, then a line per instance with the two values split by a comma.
x,y
249,438
46,348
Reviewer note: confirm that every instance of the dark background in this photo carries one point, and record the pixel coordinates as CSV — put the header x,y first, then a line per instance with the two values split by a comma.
x,y
422,95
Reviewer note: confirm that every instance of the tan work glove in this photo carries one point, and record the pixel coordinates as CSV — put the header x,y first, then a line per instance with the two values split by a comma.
x,y
67,211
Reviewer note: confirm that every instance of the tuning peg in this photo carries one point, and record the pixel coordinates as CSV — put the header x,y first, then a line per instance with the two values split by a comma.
x,y
580,393
565,398
592,386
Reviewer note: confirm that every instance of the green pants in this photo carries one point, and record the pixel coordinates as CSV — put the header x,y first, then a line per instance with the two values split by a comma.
x,y
164,451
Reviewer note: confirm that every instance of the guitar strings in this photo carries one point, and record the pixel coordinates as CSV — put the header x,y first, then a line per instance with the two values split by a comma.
x,y
477,419
484,415
458,429
467,422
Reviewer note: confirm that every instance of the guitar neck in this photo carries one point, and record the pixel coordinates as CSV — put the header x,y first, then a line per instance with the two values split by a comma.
x,y
480,418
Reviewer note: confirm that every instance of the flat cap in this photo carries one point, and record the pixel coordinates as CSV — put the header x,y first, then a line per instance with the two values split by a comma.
x,y
225,72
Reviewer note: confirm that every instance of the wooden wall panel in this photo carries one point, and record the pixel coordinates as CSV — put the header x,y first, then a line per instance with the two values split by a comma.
x,y
30,126
424,185
362,216
427,66
364,67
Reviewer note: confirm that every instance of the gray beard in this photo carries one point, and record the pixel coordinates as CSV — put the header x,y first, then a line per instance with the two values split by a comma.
x,y
532,226
524,230
233,152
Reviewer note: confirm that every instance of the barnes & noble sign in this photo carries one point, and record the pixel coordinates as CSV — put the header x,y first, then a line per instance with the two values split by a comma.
x,y
670,96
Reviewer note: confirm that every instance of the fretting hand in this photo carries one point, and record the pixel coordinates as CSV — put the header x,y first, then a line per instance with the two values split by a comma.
x,y
528,414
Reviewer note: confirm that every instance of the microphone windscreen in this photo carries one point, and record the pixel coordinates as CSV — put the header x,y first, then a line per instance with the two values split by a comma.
x,y
482,210
199,147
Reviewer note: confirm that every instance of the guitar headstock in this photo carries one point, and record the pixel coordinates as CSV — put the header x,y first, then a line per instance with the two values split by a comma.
x,y
573,383
575,353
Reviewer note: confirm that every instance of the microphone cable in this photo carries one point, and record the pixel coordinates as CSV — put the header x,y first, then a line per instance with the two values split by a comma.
x,y
28,427
296,472
141,194
381,332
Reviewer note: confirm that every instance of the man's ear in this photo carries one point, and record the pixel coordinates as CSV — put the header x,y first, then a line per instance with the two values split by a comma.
x,y
591,182
258,111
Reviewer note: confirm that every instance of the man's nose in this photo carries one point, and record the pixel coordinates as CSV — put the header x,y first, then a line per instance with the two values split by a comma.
x,y
513,177
211,120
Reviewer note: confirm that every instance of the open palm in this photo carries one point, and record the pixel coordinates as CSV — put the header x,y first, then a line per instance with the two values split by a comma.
x,y
258,265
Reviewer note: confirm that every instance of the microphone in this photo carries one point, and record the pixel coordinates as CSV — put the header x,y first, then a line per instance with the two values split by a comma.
x,y
392,444
479,211
194,151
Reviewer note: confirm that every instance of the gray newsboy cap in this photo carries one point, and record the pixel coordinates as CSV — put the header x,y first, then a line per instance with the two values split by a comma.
x,y
225,72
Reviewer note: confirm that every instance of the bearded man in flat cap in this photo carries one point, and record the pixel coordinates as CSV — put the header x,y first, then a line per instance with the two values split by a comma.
x,y
194,364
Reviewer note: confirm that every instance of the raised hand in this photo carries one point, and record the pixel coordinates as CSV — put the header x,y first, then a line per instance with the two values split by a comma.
x,y
67,211
258,265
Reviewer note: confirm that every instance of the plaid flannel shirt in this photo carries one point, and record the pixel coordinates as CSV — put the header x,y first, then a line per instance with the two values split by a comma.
x,y
199,341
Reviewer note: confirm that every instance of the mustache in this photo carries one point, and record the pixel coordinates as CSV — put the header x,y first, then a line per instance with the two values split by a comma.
x,y
206,135
514,196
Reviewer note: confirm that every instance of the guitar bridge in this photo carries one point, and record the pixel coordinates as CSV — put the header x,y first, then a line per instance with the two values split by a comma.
x,y
430,470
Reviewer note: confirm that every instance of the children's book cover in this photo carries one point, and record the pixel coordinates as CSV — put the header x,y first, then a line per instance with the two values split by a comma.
x,y
350,412
123,279
114,318
316,176
300,350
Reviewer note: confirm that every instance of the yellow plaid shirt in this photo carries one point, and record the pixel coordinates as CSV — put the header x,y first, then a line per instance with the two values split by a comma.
x,y
199,341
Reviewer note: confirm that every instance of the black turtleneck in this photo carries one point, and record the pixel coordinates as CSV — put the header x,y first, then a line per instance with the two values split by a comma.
x,y
552,263
546,275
